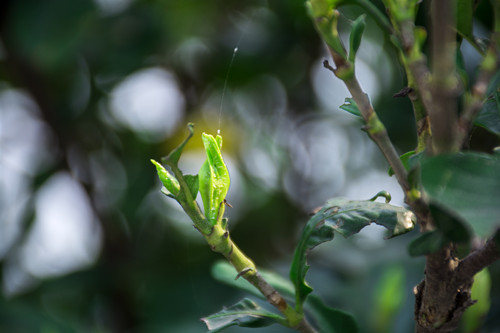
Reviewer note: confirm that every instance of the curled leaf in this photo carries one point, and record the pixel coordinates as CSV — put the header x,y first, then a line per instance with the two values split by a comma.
x,y
346,217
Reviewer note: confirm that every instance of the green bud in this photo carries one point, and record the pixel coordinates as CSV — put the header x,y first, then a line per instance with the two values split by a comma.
x,y
168,180
213,179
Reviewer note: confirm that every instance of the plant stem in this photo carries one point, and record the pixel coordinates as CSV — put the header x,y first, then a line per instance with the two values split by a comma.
x,y
375,128
220,242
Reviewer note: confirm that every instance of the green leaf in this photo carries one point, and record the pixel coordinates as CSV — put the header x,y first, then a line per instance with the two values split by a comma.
x,y
245,313
467,184
175,154
405,159
453,227
213,178
427,243
489,116
331,320
346,217
357,28
224,272
193,184
465,13
351,107
171,184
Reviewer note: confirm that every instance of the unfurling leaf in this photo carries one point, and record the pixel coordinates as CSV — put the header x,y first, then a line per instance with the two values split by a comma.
x,y
358,26
213,178
168,180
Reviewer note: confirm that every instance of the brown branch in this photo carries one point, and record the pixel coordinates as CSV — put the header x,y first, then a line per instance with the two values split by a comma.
x,y
477,261
444,84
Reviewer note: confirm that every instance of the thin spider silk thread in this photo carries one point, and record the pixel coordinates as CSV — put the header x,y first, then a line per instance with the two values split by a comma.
x,y
228,73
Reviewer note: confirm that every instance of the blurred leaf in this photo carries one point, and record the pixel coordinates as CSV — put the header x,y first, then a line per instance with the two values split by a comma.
x,y
357,28
465,14
467,184
224,272
245,313
175,154
331,320
389,296
426,243
474,315
453,228
489,117
351,107
405,159
346,217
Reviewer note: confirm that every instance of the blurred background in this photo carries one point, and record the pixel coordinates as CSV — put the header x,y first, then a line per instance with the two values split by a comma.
x,y
91,90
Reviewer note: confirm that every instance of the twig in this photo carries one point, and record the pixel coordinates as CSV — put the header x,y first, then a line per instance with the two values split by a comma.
x,y
476,261
444,84
220,242
375,128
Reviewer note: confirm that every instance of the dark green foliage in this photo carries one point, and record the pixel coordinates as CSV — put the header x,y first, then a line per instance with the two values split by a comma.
x,y
347,217
467,184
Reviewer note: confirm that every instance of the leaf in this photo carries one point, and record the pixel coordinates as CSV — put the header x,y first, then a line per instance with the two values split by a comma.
x,y
357,28
213,178
465,13
245,313
467,184
170,183
331,320
224,272
175,154
351,107
346,217
193,184
489,117
405,159
453,228
427,243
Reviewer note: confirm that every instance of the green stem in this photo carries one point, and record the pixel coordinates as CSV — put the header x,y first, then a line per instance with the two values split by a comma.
x,y
188,203
220,242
